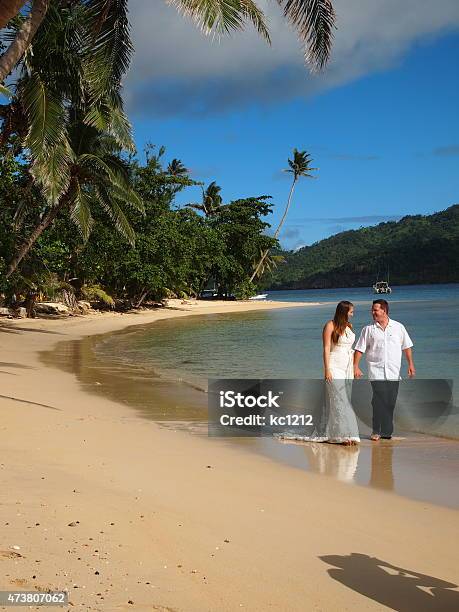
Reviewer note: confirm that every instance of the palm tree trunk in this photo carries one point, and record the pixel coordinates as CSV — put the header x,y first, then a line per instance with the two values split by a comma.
x,y
276,233
289,201
23,38
9,9
38,231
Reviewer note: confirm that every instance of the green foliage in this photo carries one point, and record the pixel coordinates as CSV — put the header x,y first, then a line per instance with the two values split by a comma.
x,y
244,290
416,249
177,251
95,293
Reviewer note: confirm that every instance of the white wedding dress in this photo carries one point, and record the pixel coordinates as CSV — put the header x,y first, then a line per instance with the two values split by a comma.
x,y
338,423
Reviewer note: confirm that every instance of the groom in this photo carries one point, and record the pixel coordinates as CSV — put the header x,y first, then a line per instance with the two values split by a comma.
x,y
383,343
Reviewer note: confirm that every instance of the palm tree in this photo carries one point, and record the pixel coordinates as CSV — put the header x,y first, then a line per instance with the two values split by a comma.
x,y
299,166
211,200
68,112
269,263
176,168
314,21
97,177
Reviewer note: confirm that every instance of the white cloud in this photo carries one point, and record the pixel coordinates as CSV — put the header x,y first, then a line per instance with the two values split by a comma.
x,y
178,69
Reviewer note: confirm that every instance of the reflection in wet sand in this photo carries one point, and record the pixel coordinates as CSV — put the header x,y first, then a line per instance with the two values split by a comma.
x,y
382,474
333,460
418,466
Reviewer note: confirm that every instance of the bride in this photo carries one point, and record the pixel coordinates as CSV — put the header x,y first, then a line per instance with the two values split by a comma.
x,y
338,424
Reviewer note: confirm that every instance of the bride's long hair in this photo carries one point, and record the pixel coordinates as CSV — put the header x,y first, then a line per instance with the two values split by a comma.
x,y
341,320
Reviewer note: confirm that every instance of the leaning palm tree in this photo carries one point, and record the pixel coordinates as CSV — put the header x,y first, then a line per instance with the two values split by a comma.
x,y
98,177
298,166
313,20
67,111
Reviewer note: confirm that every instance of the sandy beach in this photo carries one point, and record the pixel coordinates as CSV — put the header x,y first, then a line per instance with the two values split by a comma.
x,y
127,515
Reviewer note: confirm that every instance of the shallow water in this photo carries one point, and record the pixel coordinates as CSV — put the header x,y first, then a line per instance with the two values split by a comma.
x,y
161,370
287,343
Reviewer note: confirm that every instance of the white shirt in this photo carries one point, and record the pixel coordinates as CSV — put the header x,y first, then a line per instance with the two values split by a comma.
x,y
383,349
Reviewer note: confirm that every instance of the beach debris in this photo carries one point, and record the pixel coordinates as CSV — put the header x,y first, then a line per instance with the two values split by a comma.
x,y
96,572
130,601
226,540
209,466
16,547
73,524
10,554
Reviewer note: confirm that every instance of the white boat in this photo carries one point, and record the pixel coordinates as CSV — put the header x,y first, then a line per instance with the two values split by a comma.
x,y
381,287
260,296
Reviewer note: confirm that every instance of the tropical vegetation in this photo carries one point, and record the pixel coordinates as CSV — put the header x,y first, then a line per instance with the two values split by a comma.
x,y
70,174
416,249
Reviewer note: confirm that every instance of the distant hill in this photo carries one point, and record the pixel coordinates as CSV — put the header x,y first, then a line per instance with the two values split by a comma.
x,y
417,249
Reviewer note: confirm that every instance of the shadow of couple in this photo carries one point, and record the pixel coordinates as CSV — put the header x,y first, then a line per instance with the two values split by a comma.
x,y
395,587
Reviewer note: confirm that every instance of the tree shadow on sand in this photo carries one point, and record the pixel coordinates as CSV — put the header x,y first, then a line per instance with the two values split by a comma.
x,y
395,587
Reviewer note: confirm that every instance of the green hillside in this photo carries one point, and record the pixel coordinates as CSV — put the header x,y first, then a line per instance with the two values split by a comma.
x,y
417,249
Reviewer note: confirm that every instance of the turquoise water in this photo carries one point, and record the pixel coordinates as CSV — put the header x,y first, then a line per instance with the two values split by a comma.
x,y
287,343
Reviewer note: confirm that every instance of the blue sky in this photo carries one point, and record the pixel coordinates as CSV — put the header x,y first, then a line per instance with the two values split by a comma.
x,y
386,141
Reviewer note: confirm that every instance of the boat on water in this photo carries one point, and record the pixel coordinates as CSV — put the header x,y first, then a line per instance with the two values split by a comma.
x,y
260,296
381,287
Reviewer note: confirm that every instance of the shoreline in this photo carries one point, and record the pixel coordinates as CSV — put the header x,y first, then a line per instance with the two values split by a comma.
x,y
179,522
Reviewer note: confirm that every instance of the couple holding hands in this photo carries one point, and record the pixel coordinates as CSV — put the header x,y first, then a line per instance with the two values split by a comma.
x,y
382,342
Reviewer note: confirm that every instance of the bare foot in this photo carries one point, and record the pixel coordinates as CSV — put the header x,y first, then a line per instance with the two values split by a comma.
x,y
375,437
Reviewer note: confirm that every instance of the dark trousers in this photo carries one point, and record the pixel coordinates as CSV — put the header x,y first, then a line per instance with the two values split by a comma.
x,y
384,399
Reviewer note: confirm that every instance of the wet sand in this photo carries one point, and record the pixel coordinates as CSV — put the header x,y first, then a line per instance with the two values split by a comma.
x,y
391,465
127,514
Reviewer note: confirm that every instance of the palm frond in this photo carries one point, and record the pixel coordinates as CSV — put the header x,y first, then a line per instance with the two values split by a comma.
x,y
176,168
80,212
4,91
45,113
219,17
120,128
108,47
300,165
127,196
314,20
52,171
107,115
112,167
116,214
